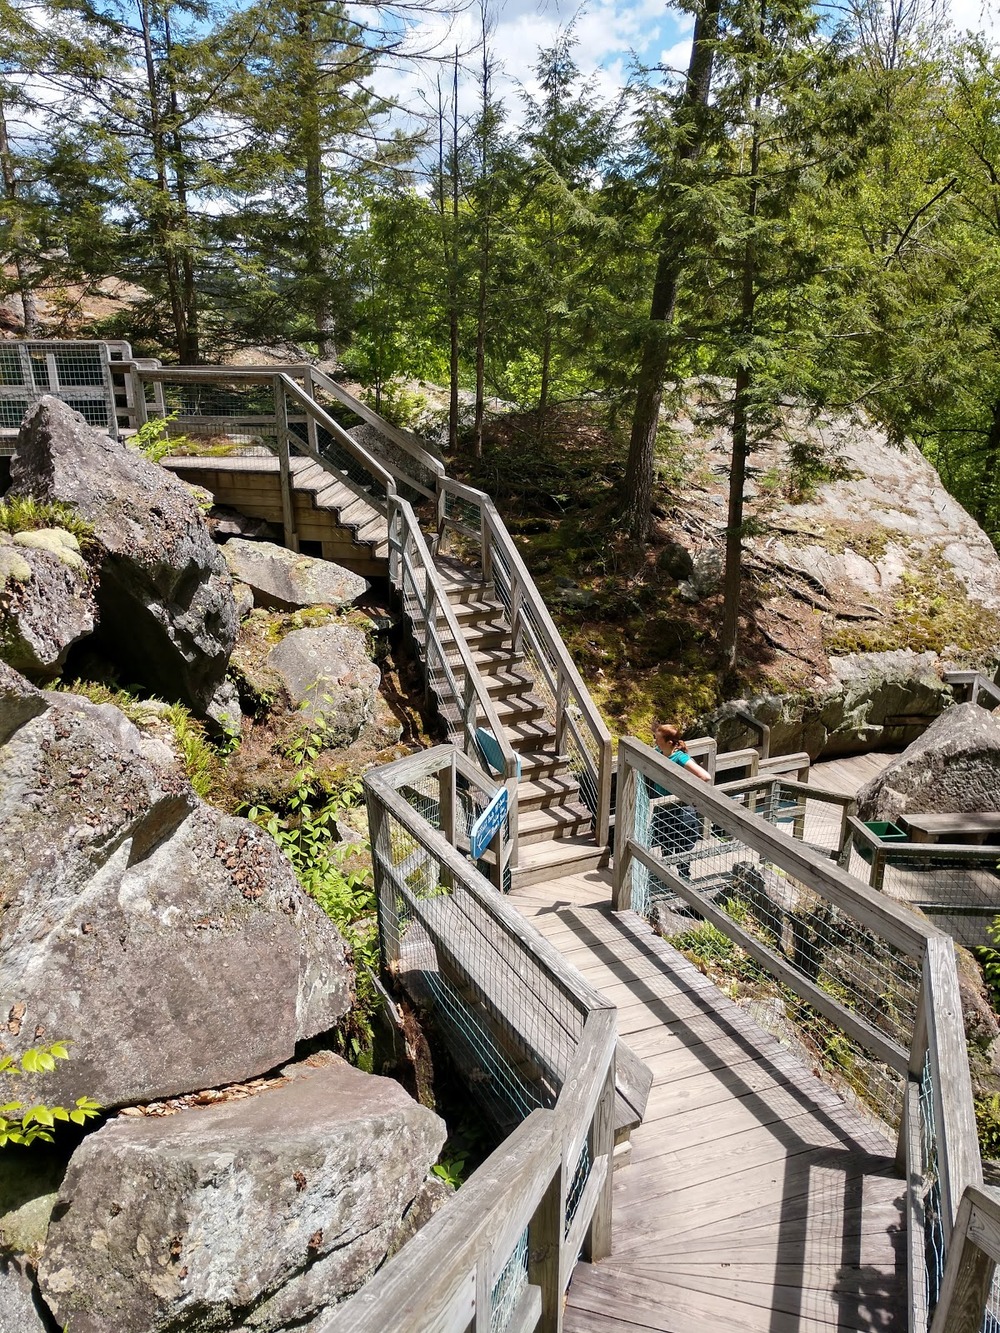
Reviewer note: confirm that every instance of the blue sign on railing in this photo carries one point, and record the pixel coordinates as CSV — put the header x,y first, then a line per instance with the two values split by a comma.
x,y
484,829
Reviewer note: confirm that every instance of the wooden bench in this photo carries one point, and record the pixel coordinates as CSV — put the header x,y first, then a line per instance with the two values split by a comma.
x,y
970,829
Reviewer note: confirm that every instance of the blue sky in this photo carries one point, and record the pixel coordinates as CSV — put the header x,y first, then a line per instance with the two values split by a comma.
x,y
610,35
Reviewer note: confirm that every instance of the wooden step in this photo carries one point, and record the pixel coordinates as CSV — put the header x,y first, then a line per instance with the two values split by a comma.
x,y
462,581
540,793
503,683
556,822
515,708
538,765
474,612
486,634
555,858
536,734
493,661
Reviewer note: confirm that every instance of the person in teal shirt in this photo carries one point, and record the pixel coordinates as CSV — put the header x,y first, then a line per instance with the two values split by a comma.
x,y
675,828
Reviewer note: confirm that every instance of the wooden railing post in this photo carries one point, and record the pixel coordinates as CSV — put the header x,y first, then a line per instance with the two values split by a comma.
x,y
386,911
968,1275
601,1141
312,431
284,464
545,1250
485,545
621,893
448,800
138,395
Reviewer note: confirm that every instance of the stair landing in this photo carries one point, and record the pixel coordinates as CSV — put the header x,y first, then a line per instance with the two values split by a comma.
x,y
756,1198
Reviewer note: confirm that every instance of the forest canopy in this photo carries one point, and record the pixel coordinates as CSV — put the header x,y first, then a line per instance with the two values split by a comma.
x,y
811,210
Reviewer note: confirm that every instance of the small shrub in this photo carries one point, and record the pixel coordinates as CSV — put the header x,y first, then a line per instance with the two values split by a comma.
x,y
27,1123
153,438
988,1125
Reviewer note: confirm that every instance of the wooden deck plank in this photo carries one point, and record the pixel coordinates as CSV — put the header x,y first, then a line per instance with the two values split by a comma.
x,y
756,1198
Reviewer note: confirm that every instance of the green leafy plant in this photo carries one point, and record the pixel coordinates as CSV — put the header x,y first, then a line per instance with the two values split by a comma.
x,y
25,1123
153,438
26,514
305,830
988,1125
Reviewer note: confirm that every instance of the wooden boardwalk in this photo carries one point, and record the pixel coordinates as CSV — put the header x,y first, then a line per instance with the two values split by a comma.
x,y
756,1200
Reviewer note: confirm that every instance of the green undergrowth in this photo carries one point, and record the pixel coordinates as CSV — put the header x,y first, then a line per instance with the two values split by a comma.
x,y
644,652
306,825
930,612
26,514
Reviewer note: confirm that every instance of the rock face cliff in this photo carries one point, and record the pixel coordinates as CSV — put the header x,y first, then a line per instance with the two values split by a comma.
x,y
163,591
866,581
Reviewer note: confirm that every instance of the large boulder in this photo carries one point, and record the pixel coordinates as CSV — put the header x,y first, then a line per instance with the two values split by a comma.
x,y
171,942
283,580
872,701
953,766
165,596
328,674
253,1214
46,600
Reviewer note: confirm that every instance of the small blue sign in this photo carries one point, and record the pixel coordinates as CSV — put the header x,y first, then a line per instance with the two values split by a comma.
x,y
484,830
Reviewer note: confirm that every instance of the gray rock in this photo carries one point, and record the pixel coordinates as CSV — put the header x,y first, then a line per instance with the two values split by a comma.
x,y
165,597
430,1198
57,541
20,1310
327,672
224,522
19,702
223,714
170,942
706,576
873,701
46,605
675,561
243,595
283,580
953,766
254,1214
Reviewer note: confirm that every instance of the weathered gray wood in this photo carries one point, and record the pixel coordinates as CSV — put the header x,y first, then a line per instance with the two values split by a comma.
x,y
545,1248
527,1312
911,1132
895,924
430,1283
621,896
968,1273
959,1162
284,456
601,1142
633,1077
935,826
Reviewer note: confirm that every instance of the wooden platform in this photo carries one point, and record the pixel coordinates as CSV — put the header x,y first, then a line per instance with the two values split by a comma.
x,y
849,775
756,1200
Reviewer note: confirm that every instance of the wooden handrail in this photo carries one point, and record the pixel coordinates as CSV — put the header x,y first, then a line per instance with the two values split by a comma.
x,y
442,1279
435,598
539,628
937,1040
399,437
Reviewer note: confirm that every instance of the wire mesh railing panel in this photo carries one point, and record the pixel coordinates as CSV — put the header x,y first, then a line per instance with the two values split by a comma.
x,y
76,372
577,1185
206,406
509,1286
957,889
461,512
510,1025
821,941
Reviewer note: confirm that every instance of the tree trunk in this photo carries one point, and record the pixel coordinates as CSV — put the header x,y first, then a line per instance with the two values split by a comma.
x,y
638,500
733,580
16,236
453,329
189,351
316,254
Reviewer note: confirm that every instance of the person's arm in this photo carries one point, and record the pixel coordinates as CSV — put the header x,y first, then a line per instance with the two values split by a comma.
x,y
689,766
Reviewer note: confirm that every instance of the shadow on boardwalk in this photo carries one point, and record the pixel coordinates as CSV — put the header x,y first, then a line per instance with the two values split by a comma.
x,y
756,1198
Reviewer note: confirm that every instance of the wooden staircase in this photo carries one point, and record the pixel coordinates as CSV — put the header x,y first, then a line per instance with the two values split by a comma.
x,y
555,827
326,509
